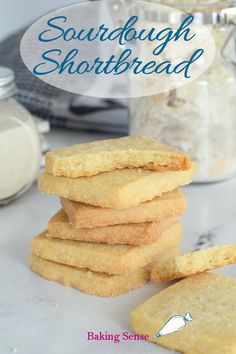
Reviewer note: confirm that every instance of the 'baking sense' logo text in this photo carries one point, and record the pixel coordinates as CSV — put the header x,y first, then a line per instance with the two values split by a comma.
x,y
116,337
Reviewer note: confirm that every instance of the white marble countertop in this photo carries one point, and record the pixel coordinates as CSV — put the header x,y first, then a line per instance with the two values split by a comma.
x,y
37,316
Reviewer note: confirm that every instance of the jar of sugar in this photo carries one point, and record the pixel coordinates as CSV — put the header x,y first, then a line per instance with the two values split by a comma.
x,y
198,118
20,149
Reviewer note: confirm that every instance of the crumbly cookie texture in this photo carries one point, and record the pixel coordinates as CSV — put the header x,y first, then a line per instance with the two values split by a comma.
x,y
211,300
196,262
171,204
126,234
108,155
99,257
168,253
120,189
94,283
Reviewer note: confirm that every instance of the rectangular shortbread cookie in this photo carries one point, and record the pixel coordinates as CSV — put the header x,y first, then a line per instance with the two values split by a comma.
x,y
127,234
211,301
195,262
171,204
119,189
108,155
99,257
100,284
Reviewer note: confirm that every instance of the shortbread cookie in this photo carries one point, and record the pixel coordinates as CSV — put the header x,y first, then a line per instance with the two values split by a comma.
x,y
119,189
211,301
167,254
127,234
108,155
171,204
94,283
196,262
99,257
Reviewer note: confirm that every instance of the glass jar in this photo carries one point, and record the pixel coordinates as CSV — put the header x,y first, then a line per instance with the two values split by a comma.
x,y
199,118
20,150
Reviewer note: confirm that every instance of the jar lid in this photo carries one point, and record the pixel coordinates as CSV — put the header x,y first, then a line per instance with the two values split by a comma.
x,y
7,82
223,12
206,12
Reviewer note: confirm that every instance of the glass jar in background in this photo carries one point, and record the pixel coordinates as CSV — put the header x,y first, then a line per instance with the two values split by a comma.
x,y
199,118
20,149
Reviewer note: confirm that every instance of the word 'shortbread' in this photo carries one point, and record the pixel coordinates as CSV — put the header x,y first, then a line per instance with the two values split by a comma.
x,y
129,234
108,155
211,300
95,283
99,257
171,204
196,262
120,189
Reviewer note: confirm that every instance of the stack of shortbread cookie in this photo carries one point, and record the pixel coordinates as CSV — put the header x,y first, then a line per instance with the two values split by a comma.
x,y
120,203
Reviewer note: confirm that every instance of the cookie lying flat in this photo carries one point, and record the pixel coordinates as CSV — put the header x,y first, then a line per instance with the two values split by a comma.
x,y
127,234
119,189
211,301
171,204
111,259
108,155
100,284
196,262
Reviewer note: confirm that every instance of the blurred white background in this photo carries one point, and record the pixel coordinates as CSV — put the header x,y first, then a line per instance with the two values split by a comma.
x,y
15,14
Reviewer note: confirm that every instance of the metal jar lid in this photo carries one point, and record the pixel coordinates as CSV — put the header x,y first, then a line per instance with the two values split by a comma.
x,y
7,82
217,12
205,16
219,15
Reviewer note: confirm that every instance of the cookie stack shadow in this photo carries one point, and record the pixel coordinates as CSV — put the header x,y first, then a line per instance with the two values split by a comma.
x,y
113,226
